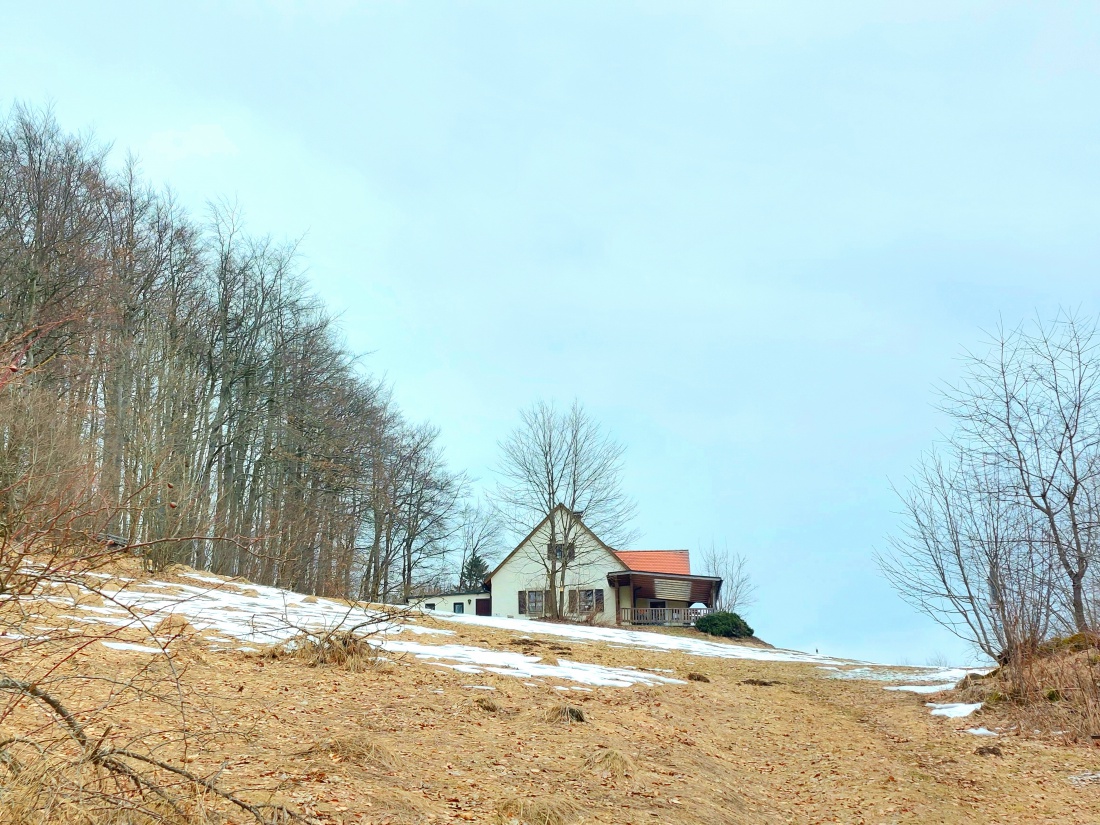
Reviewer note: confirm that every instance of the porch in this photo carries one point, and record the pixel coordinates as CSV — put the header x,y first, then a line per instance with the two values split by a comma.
x,y
663,616
662,599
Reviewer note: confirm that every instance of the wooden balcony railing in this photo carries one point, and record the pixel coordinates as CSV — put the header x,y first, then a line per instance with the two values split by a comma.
x,y
665,616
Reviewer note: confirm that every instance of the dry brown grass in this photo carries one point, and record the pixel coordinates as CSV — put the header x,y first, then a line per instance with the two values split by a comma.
x,y
43,794
415,746
1052,691
362,748
487,704
609,763
517,811
564,714
78,594
174,625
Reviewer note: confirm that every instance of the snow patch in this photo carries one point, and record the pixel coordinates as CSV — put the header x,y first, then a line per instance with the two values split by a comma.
x,y
952,710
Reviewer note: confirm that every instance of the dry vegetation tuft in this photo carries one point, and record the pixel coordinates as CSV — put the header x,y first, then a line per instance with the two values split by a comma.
x,y
487,704
609,762
1055,689
698,677
360,748
535,812
345,649
564,714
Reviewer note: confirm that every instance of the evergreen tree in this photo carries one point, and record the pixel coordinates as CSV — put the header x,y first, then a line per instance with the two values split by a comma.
x,y
474,571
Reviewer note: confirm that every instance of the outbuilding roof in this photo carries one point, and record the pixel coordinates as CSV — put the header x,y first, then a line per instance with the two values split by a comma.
x,y
656,561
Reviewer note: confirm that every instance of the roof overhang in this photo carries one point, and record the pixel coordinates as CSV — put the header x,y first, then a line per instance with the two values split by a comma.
x,y
671,585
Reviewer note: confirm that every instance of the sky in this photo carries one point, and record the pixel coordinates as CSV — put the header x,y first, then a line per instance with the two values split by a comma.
x,y
751,238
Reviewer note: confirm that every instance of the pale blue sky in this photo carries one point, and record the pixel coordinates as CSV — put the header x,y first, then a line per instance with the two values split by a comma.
x,y
749,237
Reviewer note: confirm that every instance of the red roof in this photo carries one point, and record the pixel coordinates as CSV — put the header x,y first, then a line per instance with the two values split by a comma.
x,y
656,561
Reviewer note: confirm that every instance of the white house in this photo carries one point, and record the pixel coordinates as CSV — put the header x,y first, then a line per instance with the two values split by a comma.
x,y
602,585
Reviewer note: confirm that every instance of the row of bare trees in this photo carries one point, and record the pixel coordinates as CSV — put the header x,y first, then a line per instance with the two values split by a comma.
x,y
1001,522
180,380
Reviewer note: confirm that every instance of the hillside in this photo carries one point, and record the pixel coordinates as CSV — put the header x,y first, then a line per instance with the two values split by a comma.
x,y
464,719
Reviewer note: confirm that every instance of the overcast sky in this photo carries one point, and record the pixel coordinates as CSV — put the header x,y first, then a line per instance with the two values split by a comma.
x,y
750,238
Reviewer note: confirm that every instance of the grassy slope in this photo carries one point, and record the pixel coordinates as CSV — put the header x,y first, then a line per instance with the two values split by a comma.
x,y
407,743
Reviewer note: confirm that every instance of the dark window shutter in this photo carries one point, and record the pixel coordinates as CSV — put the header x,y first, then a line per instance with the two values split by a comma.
x,y
599,600
572,552
572,601
549,608
522,602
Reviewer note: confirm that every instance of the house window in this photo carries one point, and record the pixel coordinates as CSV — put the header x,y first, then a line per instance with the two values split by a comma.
x,y
536,603
459,607
557,550
586,601
429,606
532,602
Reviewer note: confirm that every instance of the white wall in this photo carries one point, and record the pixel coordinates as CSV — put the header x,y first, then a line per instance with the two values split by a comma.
x,y
525,570
445,604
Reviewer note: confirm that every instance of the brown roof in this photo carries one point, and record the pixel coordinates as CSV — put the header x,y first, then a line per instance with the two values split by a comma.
x,y
656,561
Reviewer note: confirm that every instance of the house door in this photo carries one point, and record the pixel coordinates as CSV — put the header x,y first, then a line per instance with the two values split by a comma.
x,y
483,607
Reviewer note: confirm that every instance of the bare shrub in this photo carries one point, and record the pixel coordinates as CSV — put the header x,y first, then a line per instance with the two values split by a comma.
x,y
1055,690
345,650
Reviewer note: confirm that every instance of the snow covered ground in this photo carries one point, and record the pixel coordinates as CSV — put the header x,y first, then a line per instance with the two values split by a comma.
x,y
247,617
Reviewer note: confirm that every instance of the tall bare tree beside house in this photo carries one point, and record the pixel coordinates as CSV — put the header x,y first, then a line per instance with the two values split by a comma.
x,y
738,591
562,463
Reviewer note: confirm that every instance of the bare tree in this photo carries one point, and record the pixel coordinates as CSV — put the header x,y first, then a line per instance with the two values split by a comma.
x,y
479,538
1002,526
738,591
971,559
189,371
561,465
1031,407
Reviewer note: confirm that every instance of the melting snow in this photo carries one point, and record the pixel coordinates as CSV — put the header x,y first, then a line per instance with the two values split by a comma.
x,y
639,639
953,710
248,615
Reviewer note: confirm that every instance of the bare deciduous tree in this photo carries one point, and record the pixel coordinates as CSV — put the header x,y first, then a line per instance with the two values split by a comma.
x,y
187,367
1002,526
562,462
971,559
738,591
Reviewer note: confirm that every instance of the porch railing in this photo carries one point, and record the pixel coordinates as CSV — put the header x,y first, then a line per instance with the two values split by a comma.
x,y
665,616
